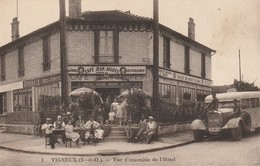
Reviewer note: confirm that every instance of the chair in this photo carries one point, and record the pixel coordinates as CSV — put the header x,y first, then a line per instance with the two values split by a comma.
x,y
47,141
69,141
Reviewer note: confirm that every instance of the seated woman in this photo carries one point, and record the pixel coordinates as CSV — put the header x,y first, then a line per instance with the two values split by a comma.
x,y
70,134
91,126
150,130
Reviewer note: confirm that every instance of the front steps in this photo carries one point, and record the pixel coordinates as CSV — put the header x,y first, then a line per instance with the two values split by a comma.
x,y
117,134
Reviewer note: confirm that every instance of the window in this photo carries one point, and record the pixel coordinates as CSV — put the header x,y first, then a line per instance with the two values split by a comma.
x,y
201,95
23,100
46,54
167,92
166,53
3,103
3,68
187,60
203,65
20,61
254,102
186,94
106,47
47,97
245,103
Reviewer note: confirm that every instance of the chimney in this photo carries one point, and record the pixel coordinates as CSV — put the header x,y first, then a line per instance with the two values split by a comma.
x,y
191,29
15,29
75,8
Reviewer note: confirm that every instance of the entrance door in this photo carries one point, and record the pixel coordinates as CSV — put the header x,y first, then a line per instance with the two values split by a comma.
x,y
105,92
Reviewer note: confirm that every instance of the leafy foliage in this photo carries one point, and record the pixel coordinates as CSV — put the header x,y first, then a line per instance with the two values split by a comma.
x,y
244,86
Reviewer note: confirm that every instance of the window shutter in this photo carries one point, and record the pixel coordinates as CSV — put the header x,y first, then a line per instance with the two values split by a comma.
x,y
96,46
116,46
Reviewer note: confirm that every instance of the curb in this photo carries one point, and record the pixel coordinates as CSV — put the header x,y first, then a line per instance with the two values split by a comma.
x,y
99,154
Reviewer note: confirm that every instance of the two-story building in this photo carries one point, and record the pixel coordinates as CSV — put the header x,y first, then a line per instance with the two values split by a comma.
x,y
108,51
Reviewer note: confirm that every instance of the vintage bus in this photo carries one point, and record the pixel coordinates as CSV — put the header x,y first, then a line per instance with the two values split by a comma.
x,y
220,121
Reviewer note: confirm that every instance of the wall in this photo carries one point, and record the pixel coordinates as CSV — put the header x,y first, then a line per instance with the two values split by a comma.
x,y
133,47
208,67
33,61
80,47
168,129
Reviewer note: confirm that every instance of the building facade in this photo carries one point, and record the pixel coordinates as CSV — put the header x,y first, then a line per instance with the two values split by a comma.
x,y
109,51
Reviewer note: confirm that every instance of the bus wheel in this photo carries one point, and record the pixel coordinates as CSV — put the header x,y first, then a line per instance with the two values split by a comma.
x,y
237,132
198,135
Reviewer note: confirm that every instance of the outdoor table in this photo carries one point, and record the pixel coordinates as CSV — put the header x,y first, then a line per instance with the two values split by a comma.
x,y
80,131
59,132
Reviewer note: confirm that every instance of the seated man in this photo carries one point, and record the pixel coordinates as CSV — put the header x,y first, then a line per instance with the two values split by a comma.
x,y
48,130
107,128
150,130
236,109
59,124
91,126
129,131
142,127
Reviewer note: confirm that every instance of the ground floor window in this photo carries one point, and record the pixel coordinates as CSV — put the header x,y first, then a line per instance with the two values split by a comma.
x,y
3,103
23,99
47,97
186,94
167,92
201,95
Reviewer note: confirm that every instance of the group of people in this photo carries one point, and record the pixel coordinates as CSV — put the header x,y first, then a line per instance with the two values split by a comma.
x,y
65,127
146,130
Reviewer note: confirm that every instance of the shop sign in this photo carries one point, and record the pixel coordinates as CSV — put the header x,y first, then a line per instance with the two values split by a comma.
x,y
183,77
106,78
186,84
167,81
123,70
203,88
41,81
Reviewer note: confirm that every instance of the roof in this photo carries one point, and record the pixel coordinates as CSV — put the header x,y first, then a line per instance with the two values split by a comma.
x,y
112,15
108,16
234,95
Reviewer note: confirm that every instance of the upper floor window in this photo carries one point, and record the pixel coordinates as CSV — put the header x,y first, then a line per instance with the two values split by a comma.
x,y
106,46
3,67
20,61
203,65
46,54
166,53
187,60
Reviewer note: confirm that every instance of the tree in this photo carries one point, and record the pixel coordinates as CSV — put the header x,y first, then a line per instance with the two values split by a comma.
x,y
244,86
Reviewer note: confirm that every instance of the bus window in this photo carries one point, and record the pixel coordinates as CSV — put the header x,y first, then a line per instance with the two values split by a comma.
x,y
254,102
245,103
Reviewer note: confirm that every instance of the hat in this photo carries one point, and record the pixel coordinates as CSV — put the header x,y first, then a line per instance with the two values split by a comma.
x,y
150,117
68,113
129,120
48,118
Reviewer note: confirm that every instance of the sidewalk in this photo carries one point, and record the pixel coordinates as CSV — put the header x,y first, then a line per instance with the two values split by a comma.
x,y
36,144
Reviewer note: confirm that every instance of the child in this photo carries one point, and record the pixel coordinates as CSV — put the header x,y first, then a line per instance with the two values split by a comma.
x,y
99,134
111,116
107,128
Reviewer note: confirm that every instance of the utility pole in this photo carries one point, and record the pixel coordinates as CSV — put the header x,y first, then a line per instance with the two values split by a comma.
x,y
63,56
156,97
239,66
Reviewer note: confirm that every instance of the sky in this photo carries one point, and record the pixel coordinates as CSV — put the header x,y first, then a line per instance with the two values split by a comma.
x,y
223,25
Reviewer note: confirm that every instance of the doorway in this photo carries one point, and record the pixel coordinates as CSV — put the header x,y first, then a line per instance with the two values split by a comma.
x,y
105,92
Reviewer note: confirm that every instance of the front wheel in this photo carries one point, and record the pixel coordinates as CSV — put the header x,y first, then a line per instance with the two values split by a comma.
x,y
198,135
237,132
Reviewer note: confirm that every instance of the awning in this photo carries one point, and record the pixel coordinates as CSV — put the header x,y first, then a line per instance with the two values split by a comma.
x,y
11,87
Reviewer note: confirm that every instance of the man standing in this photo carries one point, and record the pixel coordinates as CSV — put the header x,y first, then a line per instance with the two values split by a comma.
x,y
214,103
